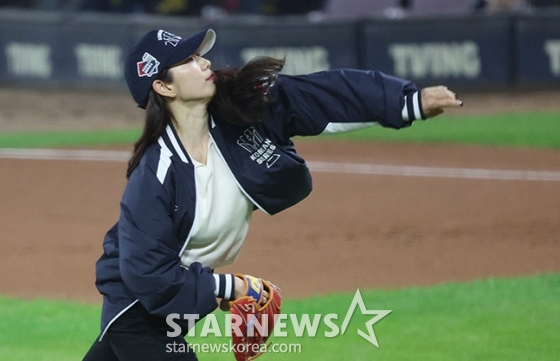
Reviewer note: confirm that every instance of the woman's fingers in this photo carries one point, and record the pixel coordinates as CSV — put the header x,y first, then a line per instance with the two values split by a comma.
x,y
435,98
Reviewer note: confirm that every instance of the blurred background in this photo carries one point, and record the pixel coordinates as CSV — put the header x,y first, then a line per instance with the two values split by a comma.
x,y
473,44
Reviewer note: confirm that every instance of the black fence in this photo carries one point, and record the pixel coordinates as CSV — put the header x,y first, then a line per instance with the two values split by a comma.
x,y
86,49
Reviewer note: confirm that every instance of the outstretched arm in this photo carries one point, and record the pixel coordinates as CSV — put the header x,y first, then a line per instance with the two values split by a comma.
x,y
349,99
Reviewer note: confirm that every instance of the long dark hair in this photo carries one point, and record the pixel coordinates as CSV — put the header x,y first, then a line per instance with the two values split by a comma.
x,y
156,119
240,99
241,93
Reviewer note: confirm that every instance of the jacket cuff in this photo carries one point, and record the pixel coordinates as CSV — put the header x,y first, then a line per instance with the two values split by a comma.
x,y
412,109
225,284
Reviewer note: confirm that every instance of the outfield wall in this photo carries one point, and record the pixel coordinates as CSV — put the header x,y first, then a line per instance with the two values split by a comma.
x,y
86,49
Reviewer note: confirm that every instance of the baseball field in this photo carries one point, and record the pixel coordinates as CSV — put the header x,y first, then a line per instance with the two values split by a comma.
x,y
451,224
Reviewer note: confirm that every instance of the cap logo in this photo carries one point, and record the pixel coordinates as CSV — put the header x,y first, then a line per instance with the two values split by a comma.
x,y
148,66
168,38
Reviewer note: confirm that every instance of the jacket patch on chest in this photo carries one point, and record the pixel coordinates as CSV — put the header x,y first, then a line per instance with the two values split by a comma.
x,y
262,150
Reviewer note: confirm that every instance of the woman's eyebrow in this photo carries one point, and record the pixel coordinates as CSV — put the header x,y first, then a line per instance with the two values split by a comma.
x,y
184,60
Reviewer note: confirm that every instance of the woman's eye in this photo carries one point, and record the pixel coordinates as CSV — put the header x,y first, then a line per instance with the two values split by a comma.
x,y
187,60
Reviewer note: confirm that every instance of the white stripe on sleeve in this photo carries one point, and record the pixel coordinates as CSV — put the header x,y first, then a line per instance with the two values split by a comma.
x,y
416,104
405,115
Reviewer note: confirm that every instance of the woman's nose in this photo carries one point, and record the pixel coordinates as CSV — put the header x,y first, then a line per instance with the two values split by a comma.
x,y
206,64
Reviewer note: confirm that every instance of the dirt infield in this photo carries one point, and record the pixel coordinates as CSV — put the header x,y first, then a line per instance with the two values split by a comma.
x,y
355,230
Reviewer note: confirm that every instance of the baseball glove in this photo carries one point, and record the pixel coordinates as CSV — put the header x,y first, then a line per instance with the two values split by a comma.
x,y
252,320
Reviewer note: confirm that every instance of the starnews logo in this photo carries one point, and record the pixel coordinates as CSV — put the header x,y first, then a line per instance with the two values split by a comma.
x,y
302,324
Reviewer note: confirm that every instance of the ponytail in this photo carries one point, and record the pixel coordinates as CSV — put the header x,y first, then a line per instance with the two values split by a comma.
x,y
241,93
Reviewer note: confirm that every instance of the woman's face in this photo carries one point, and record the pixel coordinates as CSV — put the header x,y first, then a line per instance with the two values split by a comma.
x,y
193,80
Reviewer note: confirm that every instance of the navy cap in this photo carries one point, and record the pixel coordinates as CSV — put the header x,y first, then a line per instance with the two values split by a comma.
x,y
157,51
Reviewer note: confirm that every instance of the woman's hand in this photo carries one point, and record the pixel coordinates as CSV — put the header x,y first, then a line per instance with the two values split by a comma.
x,y
239,288
239,291
435,98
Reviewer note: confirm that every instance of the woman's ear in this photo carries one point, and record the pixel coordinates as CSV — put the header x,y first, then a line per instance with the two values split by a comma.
x,y
163,89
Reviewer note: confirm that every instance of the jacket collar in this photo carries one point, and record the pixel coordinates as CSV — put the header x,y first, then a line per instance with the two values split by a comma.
x,y
176,143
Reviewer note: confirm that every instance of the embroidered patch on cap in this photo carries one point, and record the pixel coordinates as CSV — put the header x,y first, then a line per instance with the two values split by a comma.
x,y
148,66
168,38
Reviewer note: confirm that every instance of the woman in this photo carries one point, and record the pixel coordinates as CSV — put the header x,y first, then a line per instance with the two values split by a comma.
x,y
215,147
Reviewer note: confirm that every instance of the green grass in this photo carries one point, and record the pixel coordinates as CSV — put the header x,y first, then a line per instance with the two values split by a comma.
x,y
540,130
69,138
493,319
46,330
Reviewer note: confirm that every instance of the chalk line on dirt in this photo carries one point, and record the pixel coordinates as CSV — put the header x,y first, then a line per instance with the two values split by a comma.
x,y
327,167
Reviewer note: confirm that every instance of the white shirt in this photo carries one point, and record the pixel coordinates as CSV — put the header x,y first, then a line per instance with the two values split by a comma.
x,y
222,214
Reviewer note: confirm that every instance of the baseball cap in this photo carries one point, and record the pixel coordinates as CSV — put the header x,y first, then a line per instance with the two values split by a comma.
x,y
157,51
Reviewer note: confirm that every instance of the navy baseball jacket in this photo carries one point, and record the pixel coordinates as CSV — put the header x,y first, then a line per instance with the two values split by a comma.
x,y
141,259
